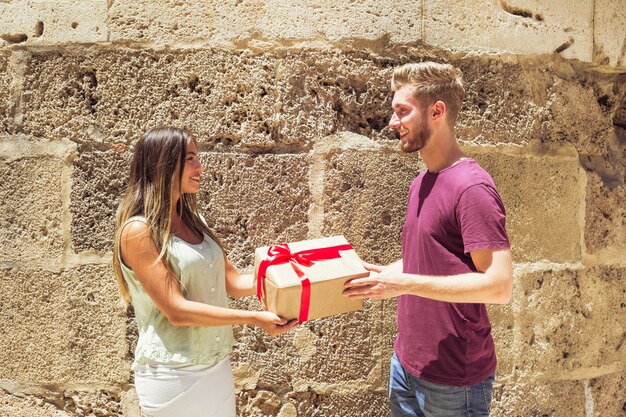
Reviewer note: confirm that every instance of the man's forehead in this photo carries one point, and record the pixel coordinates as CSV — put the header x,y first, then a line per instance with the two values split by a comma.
x,y
404,96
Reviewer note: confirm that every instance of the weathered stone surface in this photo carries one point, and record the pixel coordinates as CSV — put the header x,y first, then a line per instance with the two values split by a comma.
x,y
130,404
27,406
77,311
365,200
576,117
92,403
537,191
251,201
39,22
582,327
517,26
5,92
502,102
324,93
348,400
31,209
609,395
99,180
271,360
609,40
164,22
502,321
346,347
538,398
318,352
341,401
257,24
115,95
605,215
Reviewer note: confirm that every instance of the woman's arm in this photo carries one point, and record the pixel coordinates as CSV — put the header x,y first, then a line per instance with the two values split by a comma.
x,y
140,253
238,285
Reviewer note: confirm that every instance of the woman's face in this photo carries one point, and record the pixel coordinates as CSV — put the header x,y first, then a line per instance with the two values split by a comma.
x,y
190,181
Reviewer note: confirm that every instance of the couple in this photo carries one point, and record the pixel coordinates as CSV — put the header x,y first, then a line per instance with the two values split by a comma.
x,y
456,257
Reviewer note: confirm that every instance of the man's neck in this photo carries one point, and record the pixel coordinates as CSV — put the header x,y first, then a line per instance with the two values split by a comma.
x,y
441,152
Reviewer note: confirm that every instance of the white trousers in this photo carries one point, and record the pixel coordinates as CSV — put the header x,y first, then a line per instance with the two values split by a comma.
x,y
186,390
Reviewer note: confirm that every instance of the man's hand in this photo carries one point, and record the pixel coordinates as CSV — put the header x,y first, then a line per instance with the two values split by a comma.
x,y
382,283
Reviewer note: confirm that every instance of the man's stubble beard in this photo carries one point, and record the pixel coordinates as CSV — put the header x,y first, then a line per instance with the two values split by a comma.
x,y
423,136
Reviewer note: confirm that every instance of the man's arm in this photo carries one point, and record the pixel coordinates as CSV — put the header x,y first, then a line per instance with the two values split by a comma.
x,y
491,284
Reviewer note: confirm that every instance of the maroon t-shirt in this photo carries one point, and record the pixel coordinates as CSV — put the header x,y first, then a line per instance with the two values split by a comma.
x,y
449,214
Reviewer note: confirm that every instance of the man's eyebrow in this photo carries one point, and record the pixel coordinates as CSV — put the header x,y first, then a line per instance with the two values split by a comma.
x,y
191,152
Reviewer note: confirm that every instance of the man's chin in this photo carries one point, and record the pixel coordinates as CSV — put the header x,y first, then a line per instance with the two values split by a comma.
x,y
409,148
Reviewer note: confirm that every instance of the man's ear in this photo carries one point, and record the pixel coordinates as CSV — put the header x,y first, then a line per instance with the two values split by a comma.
x,y
438,110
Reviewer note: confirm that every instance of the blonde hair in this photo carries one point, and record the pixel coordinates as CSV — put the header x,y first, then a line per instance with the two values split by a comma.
x,y
149,194
431,82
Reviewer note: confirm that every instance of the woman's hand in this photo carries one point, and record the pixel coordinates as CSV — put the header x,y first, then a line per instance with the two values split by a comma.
x,y
273,324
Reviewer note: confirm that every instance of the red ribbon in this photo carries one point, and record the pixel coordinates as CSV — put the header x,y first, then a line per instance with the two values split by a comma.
x,y
280,254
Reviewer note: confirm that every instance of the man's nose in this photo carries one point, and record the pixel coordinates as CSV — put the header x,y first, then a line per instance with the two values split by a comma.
x,y
394,122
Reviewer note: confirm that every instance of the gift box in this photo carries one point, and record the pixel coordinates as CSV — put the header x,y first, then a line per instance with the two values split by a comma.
x,y
305,280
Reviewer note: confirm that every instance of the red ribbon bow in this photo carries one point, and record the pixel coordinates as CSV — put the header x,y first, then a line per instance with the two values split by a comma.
x,y
280,254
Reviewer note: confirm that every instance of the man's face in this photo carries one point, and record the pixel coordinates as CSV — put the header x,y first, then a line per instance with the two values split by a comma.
x,y
409,120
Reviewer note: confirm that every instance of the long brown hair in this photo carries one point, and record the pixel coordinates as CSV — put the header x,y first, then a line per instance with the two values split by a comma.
x,y
149,194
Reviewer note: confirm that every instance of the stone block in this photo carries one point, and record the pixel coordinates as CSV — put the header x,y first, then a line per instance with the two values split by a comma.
x,y
347,347
93,402
515,26
31,209
163,22
78,313
542,197
249,201
502,330
99,180
255,200
6,104
318,353
609,395
365,194
269,362
609,32
343,401
38,22
327,92
346,400
576,117
27,406
503,101
253,23
605,215
538,398
581,328
112,96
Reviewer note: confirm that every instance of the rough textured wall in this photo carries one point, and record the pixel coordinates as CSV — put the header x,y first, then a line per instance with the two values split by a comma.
x,y
289,105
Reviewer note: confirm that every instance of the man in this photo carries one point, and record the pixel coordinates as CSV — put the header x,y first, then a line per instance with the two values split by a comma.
x,y
455,258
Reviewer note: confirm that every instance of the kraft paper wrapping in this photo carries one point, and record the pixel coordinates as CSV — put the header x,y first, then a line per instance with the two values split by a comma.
x,y
283,288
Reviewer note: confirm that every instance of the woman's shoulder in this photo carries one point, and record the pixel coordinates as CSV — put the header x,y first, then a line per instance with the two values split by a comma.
x,y
134,225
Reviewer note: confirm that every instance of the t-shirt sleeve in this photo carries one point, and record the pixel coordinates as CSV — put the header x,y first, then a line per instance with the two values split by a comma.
x,y
482,219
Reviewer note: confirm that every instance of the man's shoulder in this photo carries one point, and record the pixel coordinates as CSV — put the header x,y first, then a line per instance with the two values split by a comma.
x,y
471,173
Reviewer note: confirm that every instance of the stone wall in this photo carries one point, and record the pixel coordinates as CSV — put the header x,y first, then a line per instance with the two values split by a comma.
x,y
289,102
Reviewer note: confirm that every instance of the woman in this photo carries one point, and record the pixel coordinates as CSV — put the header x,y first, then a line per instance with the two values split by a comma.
x,y
174,271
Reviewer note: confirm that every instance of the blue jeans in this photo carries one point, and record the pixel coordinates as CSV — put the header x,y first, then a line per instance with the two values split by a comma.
x,y
412,396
